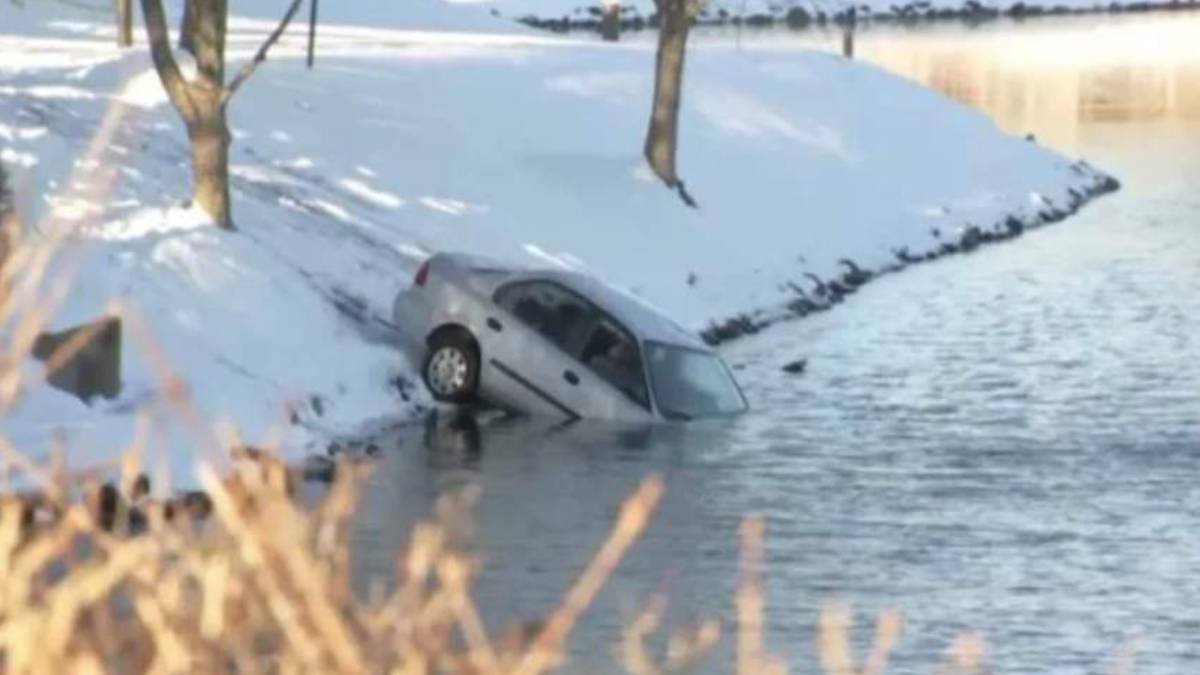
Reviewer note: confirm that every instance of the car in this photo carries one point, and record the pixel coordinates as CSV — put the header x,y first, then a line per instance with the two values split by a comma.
x,y
557,342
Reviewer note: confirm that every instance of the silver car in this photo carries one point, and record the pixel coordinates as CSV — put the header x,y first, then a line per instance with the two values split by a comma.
x,y
555,342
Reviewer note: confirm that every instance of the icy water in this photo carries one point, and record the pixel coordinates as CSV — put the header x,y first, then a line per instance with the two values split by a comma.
x,y
1006,442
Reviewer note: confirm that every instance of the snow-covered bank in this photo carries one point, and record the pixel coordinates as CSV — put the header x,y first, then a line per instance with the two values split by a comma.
x,y
565,15
407,139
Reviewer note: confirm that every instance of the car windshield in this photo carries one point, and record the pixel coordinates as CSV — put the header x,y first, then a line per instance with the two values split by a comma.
x,y
690,383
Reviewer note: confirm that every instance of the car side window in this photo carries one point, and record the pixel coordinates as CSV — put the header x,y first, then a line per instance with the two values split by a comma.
x,y
551,310
611,353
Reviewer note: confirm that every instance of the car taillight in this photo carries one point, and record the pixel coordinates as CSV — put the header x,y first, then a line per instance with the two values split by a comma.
x,y
422,274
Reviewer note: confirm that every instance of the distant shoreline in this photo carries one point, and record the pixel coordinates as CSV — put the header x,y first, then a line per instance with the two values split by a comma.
x,y
831,291
588,17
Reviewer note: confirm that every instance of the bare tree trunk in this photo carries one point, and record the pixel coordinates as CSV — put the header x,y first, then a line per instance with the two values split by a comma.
x,y
209,131
610,21
124,22
208,25
209,136
848,34
187,28
675,17
202,102
312,32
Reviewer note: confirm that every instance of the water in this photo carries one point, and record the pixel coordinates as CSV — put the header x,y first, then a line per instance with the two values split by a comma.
x,y
1006,442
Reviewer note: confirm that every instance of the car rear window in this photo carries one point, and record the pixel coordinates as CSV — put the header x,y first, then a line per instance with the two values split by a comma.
x,y
551,310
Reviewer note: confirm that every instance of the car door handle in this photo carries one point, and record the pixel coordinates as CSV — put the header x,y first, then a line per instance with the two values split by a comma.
x,y
494,324
571,377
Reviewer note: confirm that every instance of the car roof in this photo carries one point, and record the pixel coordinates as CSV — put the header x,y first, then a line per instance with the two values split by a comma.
x,y
633,312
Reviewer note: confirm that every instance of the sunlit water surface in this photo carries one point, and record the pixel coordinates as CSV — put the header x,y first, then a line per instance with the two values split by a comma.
x,y
1006,442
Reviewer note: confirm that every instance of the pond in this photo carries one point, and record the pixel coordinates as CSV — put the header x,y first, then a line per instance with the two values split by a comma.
x,y
1016,453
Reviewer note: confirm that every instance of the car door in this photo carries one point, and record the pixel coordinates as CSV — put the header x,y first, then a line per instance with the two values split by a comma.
x,y
610,352
532,331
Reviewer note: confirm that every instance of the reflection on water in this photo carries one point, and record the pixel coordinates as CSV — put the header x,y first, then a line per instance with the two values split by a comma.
x,y
1005,442
1054,75
1119,69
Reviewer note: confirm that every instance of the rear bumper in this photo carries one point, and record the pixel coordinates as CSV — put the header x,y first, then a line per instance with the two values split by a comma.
x,y
410,314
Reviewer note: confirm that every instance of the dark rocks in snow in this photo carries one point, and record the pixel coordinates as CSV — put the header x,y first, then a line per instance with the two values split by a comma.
x,y
827,293
140,487
795,367
820,288
854,275
86,359
970,240
803,306
402,385
318,469
830,292
730,329
104,504
838,291
1052,215
1075,198
128,510
195,503
1014,226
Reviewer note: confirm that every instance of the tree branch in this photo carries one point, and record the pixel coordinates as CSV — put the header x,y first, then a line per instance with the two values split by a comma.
x,y
685,195
164,61
247,70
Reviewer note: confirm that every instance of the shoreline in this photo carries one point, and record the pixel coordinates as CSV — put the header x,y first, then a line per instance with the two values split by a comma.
x,y
804,196
588,18
829,292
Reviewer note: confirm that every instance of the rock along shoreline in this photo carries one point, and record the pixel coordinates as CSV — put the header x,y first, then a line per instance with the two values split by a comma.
x,y
824,294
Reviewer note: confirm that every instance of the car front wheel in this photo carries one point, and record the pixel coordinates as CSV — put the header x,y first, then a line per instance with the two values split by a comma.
x,y
451,369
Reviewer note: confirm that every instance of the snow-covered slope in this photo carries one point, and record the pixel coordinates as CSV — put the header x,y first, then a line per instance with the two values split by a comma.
x,y
406,140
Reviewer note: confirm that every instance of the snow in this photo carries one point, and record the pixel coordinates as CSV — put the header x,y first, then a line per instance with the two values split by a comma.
x,y
427,127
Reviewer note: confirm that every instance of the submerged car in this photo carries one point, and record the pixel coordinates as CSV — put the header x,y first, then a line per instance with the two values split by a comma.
x,y
555,342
